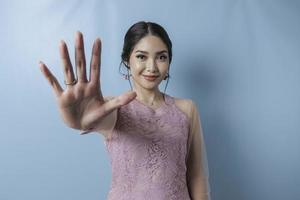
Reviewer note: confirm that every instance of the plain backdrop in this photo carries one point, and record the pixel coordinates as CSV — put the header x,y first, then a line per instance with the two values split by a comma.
x,y
237,59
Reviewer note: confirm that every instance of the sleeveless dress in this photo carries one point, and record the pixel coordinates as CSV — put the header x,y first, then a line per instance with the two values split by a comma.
x,y
147,150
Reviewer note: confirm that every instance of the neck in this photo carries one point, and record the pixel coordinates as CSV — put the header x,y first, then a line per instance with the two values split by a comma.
x,y
150,97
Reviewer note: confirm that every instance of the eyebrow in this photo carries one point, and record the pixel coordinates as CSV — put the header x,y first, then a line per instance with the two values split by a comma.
x,y
145,52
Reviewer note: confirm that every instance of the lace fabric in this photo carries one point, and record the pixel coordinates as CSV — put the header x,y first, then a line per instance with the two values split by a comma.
x,y
148,153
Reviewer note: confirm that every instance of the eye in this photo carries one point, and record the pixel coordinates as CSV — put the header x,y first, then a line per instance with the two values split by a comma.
x,y
162,57
140,56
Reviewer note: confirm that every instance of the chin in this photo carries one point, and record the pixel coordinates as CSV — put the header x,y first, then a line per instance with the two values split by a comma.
x,y
150,86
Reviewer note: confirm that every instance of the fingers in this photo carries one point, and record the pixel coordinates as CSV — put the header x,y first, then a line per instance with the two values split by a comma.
x,y
80,57
95,62
51,79
69,76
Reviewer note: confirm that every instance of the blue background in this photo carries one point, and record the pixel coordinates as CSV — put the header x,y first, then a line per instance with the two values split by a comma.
x,y
237,59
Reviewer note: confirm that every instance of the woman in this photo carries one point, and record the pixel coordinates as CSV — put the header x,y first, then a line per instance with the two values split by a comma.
x,y
155,141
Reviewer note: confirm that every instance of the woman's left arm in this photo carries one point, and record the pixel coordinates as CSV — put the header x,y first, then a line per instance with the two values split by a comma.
x,y
197,167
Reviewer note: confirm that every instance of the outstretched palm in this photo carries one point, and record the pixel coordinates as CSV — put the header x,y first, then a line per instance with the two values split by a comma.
x,y
82,104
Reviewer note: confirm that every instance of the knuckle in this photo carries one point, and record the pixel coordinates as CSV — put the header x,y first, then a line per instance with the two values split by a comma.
x,y
80,62
94,66
67,69
117,100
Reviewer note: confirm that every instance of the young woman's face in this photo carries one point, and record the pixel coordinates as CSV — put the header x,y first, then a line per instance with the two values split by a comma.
x,y
149,62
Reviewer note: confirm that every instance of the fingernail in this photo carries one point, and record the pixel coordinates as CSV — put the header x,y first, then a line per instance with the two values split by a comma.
x,y
97,43
61,43
98,40
40,63
78,34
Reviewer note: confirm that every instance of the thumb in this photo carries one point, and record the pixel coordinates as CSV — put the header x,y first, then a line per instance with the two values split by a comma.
x,y
127,97
119,101
108,107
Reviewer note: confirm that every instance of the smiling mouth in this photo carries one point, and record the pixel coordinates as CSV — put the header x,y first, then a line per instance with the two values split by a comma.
x,y
150,78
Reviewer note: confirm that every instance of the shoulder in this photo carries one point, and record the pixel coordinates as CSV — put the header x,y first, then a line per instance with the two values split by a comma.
x,y
187,106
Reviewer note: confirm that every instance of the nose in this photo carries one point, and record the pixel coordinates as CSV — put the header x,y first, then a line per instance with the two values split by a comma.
x,y
151,65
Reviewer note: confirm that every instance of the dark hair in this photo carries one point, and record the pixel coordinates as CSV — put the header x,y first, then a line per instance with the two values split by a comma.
x,y
138,31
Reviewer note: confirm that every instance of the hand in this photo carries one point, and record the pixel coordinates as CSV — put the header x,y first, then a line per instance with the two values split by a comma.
x,y
81,105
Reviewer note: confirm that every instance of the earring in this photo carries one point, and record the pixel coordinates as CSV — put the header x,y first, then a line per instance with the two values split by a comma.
x,y
167,76
126,76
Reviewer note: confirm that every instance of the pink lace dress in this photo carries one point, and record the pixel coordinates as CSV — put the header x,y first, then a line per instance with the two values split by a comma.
x,y
147,150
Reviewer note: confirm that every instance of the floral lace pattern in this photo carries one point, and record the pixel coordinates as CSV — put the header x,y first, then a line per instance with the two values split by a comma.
x,y
147,152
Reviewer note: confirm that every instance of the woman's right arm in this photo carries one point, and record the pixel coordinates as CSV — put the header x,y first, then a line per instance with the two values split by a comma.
x,y
81,104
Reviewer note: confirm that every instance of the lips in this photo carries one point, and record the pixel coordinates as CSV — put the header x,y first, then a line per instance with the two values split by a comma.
x,y
150,78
